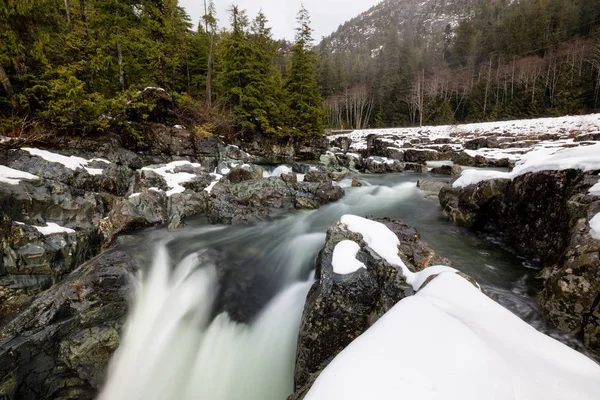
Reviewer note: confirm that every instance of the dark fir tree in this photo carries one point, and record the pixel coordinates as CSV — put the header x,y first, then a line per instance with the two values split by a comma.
x,y
305,114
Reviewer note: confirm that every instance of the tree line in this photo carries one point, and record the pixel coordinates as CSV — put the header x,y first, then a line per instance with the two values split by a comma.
x,y
508,59
88,66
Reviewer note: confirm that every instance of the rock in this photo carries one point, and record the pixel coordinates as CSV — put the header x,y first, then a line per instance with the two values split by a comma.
x,y
172,142
379,165
356,183
252,200
452,170
238,175
149,208
432,188
482,142
420,168
341,307
32,260
314,176
198,183
337,176
352,161
60,345
147,178
421,156
342,142
544,216
594,136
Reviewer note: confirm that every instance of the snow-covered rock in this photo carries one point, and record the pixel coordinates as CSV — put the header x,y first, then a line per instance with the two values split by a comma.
x,y
450,341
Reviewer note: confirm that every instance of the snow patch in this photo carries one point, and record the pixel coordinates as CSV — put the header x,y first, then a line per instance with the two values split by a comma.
x,y
595,225
49,229
174,179
71,162
450,341
595,190
385,243
14,176
344,258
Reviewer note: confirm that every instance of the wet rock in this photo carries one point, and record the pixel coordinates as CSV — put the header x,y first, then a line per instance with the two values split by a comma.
x,y
341,307
356,183
60,345
172,142
452,170
432,188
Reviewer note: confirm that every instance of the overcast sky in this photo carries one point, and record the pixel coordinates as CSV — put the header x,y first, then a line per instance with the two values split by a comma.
x,y
326,15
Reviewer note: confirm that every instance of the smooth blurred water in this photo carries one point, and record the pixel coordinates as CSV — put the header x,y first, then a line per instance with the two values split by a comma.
x,y
217,313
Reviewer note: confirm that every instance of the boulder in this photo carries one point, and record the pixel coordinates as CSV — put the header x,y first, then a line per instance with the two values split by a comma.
x,y
341,307
421,156
452,170
432,188
482,142
381,165
414,167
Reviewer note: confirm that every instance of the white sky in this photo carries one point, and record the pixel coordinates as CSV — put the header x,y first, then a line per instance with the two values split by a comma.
x,y
326,15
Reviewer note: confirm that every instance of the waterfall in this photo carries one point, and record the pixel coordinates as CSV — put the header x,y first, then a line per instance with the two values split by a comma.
x,y
171,349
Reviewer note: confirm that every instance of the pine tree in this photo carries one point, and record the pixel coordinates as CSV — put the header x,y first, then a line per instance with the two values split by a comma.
x,y
302,91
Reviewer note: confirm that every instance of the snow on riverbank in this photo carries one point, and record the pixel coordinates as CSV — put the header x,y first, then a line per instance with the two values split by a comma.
x,y
449,341
71,162
452,342
514,138
14,176
585,158
50,228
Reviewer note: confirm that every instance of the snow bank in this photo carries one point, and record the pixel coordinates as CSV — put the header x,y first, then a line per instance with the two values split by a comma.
x,y
585,158
71,162
595,225
452,342
174,179
344,258
14,176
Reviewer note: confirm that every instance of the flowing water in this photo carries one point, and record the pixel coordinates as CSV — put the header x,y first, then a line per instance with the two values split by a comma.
x,y
217,312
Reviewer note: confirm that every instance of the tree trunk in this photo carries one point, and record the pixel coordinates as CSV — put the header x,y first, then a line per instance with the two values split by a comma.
x,y
120,60
68,15
6,84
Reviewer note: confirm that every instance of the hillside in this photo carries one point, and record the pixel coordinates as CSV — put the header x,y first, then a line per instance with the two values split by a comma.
x,y
407,62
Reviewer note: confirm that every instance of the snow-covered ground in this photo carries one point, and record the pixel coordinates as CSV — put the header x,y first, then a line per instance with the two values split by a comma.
x,y
585,158
515,137
451,342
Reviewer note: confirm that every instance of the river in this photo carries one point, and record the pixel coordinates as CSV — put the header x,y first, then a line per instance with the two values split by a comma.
x,y
217,312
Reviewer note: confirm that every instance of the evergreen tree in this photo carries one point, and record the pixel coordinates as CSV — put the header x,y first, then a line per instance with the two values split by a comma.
x,y
302,91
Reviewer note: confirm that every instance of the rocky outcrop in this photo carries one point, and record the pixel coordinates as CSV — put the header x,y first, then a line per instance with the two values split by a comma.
x,y
58,347
341,307
252,200
282,149
544,216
